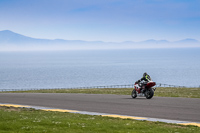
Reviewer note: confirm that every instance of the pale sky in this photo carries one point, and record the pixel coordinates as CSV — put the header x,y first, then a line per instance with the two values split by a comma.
x,y
102,20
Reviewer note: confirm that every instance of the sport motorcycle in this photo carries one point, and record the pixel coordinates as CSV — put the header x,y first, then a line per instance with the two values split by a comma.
x,y
143,89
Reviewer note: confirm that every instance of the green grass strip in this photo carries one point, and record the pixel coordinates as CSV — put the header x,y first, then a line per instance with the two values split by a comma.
x,y
13,120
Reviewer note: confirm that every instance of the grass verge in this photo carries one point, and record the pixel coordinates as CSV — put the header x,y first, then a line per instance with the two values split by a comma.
x,y
161,91
31,120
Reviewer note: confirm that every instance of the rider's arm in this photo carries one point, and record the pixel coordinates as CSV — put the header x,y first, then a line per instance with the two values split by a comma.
x,y
140,80
143,78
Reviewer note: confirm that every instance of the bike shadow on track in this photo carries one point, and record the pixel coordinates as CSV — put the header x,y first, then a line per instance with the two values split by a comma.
x,y
139,98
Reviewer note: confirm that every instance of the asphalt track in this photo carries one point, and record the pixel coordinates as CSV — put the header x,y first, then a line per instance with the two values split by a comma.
x,y
182,109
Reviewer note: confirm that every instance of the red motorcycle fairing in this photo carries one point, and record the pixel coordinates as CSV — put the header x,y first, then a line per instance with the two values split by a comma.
x,y
137,88
150,84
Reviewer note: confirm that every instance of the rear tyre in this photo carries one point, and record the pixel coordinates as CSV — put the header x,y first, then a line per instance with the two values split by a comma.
x,y
149,93
133,94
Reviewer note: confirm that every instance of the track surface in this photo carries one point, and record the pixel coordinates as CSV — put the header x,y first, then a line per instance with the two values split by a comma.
x,y
183,109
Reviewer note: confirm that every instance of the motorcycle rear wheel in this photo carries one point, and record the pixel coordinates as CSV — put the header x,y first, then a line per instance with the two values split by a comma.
x,y
133,94
149,93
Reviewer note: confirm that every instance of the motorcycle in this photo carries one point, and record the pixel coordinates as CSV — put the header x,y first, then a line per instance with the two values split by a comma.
x,y
146,90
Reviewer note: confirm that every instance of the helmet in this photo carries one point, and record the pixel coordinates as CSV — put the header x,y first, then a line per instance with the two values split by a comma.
x,y
145,74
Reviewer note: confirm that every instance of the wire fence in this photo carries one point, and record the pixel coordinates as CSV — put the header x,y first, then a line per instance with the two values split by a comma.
x,y
98,87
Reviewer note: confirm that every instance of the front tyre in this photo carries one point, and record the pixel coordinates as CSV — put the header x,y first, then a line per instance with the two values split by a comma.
x,y
133,94
149,93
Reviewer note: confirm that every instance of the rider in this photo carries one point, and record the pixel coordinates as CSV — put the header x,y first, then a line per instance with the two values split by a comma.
x,y
146,78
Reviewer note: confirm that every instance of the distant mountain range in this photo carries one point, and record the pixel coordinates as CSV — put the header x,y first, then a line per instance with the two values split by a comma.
x,y
9,37
15,41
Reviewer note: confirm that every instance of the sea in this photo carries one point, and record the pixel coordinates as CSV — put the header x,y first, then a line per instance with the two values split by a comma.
x,y
85,68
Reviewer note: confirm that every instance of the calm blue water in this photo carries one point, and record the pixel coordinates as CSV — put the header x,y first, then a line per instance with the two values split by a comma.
x,y
24,70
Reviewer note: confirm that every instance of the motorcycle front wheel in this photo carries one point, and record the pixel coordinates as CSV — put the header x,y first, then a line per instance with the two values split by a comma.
x,y
133,94
149,93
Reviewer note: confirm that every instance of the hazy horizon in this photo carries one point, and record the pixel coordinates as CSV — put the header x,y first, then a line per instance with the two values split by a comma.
x,y
11,41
